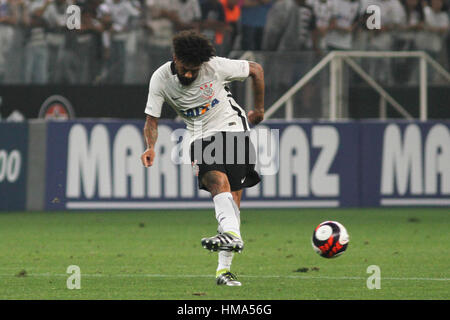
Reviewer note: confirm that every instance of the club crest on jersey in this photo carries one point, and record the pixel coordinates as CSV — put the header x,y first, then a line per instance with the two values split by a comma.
x,y
198,111
207,90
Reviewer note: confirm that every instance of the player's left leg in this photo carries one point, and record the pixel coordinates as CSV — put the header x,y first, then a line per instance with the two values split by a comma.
x,y
229,237
240,176
237,195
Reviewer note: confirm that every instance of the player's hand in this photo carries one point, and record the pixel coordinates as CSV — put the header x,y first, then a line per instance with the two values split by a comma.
x,y
147,157
255,116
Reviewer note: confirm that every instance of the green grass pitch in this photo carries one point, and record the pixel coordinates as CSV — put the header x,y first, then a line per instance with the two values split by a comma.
x,y
157,255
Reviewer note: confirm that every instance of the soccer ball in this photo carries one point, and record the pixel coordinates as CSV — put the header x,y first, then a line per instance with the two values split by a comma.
x,y
330,239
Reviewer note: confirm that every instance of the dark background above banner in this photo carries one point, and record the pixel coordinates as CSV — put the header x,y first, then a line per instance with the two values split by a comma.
x,y
128,102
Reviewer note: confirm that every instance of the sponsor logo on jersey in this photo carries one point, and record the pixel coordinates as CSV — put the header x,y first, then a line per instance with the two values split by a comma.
x,y
200,110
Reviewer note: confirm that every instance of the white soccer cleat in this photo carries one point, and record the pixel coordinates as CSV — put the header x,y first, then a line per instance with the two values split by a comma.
x,y
228,279
224,242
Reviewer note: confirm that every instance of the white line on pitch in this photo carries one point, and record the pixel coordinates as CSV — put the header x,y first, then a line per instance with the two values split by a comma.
x,y
143,275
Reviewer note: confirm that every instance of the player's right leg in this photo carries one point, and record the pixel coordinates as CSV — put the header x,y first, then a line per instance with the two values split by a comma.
x,y
229,239
225,258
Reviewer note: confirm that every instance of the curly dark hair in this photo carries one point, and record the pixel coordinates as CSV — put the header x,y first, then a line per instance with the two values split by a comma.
x,y
192,48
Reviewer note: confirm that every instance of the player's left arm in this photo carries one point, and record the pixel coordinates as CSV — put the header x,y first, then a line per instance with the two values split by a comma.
x,y
257,74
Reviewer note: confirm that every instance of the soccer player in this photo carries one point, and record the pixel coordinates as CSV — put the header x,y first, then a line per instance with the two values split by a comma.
x,y
194,84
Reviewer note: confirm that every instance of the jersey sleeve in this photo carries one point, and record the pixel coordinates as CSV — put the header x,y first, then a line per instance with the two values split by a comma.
x,y
155,98
230,69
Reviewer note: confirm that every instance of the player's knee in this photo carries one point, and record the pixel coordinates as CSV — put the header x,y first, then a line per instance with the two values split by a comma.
x,y
216,182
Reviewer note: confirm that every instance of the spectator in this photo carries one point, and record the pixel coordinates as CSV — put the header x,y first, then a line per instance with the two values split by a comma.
x,y
103,15
15,58
162,19
323,9
55,19
36,50
290,30
344,20
379,39
253,19
133,64
7,21
36,47
290,27
93,28
436,27
213,24
188,15
183,15
409,22
121,12
160,29
83,50
232,11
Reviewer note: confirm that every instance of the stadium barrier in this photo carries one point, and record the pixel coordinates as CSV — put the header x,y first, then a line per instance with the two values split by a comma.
x,y
95,165
128,102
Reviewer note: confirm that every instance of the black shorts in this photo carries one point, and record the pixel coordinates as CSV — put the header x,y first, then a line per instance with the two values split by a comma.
x,y
229,152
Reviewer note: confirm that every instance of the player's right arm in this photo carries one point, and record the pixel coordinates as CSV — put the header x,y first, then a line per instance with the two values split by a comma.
x,y
150,135
155,101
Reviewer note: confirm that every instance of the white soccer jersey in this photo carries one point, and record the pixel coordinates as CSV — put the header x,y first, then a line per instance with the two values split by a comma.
x,y
206,105
345,12
323,10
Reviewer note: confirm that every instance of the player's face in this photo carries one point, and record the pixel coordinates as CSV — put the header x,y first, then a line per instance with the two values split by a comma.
x,y
186,73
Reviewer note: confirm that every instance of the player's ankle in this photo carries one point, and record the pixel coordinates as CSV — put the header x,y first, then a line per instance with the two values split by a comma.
x,y
222,271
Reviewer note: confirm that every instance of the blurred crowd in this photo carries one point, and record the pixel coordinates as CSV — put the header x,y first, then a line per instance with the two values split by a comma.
x,y
123,41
